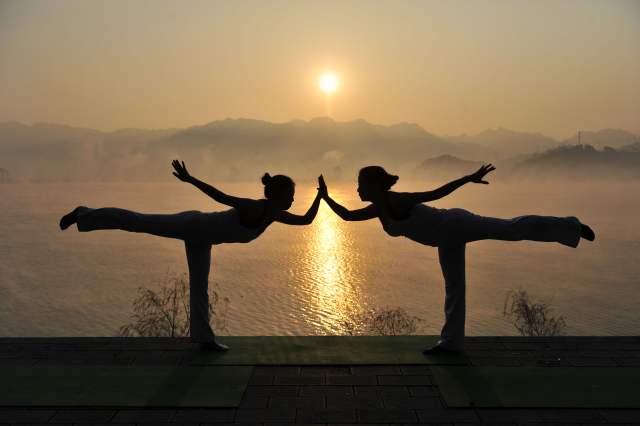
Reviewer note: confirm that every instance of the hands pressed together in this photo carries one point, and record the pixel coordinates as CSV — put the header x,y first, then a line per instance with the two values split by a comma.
x,y
323,192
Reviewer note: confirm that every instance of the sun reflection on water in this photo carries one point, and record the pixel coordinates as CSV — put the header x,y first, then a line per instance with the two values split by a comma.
x,y
332,264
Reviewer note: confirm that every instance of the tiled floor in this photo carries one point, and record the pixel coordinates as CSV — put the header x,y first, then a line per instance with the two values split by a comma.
x,y
344,394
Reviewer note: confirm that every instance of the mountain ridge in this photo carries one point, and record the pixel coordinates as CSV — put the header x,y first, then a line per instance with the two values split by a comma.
x,y
238,148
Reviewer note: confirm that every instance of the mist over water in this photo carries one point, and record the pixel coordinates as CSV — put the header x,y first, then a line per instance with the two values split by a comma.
x,y
307,280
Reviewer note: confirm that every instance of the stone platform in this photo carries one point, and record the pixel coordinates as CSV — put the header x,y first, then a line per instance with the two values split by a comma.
x,y
325,394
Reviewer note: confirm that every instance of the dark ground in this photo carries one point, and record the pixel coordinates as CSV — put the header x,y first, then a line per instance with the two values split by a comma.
x,y
328,394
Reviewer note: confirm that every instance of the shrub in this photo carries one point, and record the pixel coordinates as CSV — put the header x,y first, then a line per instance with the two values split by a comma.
x,y
532,318
381,322
165,312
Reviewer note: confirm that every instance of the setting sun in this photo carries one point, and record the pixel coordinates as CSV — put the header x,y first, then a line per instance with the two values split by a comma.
x,y
328,83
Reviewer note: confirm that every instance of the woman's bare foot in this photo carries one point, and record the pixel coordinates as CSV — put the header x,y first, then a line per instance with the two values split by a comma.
x,y
213,346
439,349
586,232
69,219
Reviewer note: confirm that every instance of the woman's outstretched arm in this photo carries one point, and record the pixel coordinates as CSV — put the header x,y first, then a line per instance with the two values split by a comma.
x,y
306,219
444,190
365,213
182,174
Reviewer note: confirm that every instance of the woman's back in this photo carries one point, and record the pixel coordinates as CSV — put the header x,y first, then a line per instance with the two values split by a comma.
x,y
421,225
223,227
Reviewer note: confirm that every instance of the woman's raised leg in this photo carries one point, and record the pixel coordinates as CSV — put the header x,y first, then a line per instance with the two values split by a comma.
x,y
563,230
464,226
164,225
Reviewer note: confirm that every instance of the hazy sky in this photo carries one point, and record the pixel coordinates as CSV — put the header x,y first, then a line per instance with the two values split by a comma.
x,y
451,67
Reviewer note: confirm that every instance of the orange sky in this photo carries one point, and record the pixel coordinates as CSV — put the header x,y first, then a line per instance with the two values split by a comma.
x,y
452,67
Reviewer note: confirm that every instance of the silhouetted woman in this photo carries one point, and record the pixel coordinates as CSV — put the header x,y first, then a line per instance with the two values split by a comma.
x,y
244,222
403,214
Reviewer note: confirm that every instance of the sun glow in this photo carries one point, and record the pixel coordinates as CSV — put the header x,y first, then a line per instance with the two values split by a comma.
x,y
328,83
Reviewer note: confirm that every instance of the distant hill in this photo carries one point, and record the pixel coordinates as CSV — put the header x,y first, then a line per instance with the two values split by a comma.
x,y
243,149
45,152
579,162
445,167
505,143
231,149
614,138
566,162
634,147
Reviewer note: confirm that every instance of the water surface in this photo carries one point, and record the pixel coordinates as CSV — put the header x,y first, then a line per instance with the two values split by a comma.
x,y
308,280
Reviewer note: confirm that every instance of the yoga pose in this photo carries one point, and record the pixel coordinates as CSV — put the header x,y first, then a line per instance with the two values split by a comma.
x,y
403,214
245,221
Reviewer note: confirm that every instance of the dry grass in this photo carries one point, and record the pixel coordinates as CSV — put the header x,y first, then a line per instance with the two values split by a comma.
x,y
384,321
164,312
532,318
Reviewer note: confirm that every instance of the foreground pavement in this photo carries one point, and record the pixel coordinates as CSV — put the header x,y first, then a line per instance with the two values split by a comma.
x,y
325,394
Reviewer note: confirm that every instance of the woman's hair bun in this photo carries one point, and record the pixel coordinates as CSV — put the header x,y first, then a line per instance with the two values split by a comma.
x,y
393,179
266,178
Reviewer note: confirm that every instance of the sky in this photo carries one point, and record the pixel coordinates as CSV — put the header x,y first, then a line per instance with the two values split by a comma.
x,y
450,66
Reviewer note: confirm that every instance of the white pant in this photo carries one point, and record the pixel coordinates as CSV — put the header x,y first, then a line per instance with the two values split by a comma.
x,y
452,263
460,227
178,226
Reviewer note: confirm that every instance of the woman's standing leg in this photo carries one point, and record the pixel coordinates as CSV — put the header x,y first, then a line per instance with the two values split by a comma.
x,y
199,262
452,263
